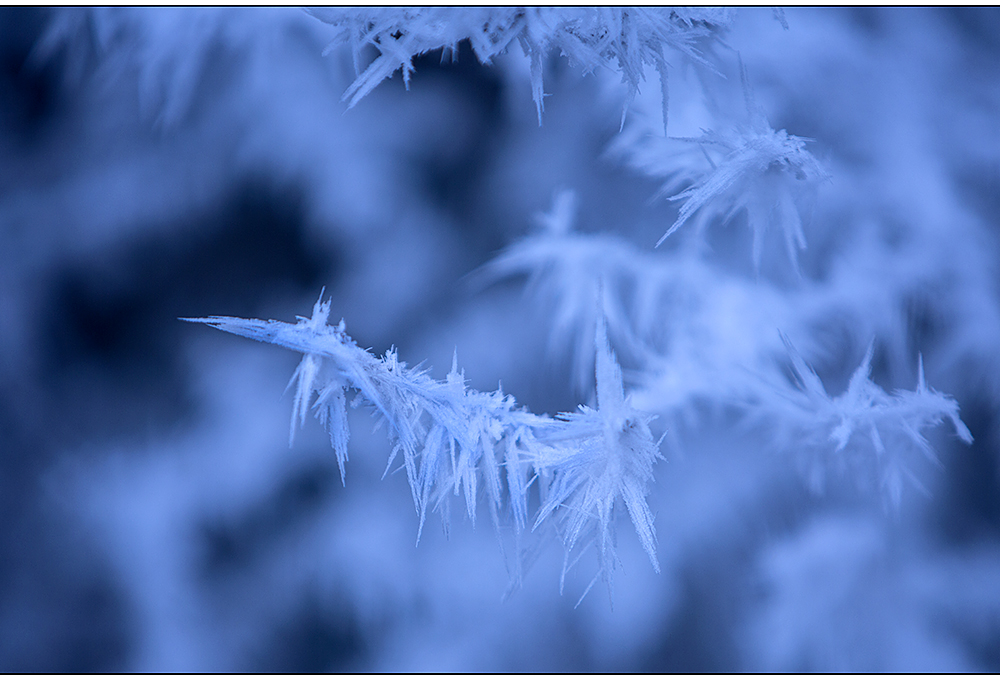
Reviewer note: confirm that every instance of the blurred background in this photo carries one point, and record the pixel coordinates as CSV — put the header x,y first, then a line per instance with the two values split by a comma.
x,y
183,162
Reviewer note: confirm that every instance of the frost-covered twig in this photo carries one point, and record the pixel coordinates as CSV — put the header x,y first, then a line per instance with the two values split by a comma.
x,y
455,440
864,428
702,335
591,37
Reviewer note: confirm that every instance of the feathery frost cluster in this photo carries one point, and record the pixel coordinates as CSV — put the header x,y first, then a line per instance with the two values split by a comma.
x,y
455,440
626,38
864,416
753,175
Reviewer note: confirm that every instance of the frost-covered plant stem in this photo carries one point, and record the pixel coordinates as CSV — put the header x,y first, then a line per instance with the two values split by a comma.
x,y
626,39
860,422
455,440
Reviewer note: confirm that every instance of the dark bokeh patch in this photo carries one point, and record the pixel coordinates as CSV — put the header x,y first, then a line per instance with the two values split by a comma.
x,y
111,335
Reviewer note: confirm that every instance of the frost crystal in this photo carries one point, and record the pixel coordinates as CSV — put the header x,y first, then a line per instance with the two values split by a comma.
x,y
455,440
